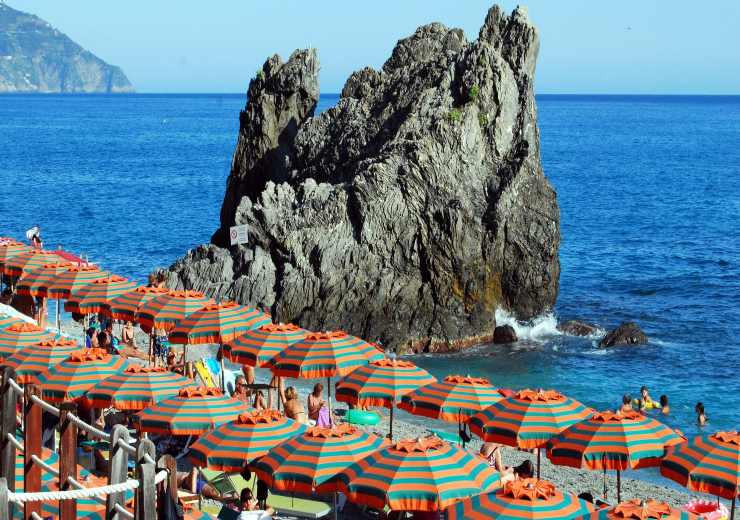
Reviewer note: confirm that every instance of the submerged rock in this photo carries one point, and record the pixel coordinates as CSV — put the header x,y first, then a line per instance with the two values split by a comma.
x,y
577,328
504,334
410,211
628,333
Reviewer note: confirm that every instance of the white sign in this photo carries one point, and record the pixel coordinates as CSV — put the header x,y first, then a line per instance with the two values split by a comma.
x,y
239,234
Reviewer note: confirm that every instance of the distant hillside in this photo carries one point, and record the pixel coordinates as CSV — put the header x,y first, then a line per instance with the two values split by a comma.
x,y
36,57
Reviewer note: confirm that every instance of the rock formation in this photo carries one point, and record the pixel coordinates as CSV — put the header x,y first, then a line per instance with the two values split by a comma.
x,y
577,328
410,211
35,57
628,333
504,334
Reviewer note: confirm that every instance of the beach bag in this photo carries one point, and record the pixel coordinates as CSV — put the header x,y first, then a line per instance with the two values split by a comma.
x,y
324,420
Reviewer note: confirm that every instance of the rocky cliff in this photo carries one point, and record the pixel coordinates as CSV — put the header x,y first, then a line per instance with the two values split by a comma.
x,y
410,211
35,57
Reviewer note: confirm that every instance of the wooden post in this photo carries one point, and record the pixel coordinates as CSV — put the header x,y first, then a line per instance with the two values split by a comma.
x,y
4,504
169,463
32,446
67,459
117,470
7,426
146,494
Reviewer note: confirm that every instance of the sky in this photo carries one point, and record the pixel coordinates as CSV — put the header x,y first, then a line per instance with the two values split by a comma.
x,y
587,46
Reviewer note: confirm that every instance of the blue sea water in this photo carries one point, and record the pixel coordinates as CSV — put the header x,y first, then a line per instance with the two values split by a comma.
x,y
649,191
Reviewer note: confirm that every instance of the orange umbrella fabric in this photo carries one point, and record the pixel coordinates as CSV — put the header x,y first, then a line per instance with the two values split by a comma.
x,y
19,335
136,387
30,361
217,323
28,261
165,311
126,306
257,348
74,376
455,399
73,279
37,282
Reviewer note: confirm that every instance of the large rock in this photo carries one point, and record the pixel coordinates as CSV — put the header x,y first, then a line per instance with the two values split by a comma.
x,y
504,334
628,333
577,328
410,211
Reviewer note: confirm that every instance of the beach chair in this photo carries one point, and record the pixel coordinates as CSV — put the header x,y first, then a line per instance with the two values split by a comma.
x,y
286,505
453,438
204,374
221,482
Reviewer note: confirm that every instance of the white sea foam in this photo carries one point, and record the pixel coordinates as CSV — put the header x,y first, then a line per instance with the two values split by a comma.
x,y
539,329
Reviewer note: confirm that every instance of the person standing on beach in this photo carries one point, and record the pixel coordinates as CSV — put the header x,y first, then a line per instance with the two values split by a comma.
x,y
315,402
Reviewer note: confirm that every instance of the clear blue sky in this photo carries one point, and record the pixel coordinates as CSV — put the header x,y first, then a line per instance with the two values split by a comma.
x,y
588,46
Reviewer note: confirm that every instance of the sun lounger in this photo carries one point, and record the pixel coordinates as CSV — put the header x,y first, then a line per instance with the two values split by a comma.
x,y
204,374
221,482
286,505
447,436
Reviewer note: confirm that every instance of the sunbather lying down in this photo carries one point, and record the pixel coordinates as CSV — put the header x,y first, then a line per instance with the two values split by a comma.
x,y
191,481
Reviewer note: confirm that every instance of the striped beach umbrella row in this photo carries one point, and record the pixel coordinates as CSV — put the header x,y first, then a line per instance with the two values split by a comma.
x,y
194,410
37,282
29,362
74,376
94,296
126,306
19,335
217,323
230,446
527,499
73,279
165,311
414,475
307,461
257,348
10,249
136,387
27,261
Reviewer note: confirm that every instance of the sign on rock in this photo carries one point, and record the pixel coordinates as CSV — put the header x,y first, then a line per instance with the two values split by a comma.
x,y
239,234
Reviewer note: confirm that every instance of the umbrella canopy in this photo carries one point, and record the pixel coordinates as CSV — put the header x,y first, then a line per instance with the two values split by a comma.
x,y
708,464
73,279
217,323
253,434
324,354
257,348
11,249
6,321
136,388
642,510
613,441
382,383
30,361
126,306
19,335
527,499
305,462
28,261
165,311
74,376
193,411
454,399
95,296
528,419
37,282
415,475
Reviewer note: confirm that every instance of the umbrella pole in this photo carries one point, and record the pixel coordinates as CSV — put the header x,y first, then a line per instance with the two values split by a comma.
x,y
538,463
390,433
732,511
59,319
223,368
619,486
336,513
328,392
605,492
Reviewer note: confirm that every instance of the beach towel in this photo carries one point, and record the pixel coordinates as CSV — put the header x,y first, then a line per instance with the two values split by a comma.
x,y
324,420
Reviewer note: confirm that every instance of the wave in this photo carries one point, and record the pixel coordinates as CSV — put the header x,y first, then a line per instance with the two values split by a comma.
x,y
539,329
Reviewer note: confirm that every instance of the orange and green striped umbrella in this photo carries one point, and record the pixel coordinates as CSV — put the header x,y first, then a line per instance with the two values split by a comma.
x,y
454,399
526,499
95,296
382,383
126,306
136,388
613,441
253,434
642,510
19,335
6,321
165,311
217,323
37,282
193,411
414,475
74,376
303,463
258,347
324,354
30,361
11,249
28,261
72,280
707,464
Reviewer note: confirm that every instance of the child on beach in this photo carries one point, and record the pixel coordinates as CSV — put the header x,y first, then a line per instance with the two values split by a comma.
x,y
701,417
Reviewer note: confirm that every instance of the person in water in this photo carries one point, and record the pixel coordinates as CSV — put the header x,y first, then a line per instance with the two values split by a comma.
x,y
647,401
626,403
665,408
701,416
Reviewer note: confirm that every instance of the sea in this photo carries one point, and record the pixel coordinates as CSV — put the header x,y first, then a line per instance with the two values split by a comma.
x,y
649,194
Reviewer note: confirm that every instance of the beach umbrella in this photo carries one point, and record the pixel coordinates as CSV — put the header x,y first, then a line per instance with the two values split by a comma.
x,y
136,387
28,261
6,321
230,446
126,306
613,441
526,499
94,296
641,510
10,249
193,411
303,463
324,354
73,279
708,464
30,361
257,348
37,282
414,475
382,383
165,311
74,376
19,335
217,323
528,419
